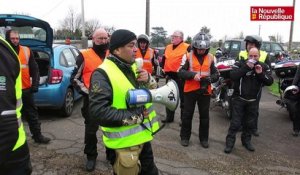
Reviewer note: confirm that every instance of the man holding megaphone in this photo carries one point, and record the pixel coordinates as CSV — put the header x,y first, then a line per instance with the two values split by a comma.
x,y
127,129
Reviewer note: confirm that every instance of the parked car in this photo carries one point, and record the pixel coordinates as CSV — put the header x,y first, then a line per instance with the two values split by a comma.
x,y
55,62
232,48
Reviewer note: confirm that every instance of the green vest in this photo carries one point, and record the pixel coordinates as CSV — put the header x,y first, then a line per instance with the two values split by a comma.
x,y
262,58
132,135
18,91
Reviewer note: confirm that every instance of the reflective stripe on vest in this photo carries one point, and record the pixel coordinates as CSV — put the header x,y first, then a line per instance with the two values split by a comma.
x,y
174,57
126,136
195,66
139,128
91,62
147,64
22,136
24,54
244,55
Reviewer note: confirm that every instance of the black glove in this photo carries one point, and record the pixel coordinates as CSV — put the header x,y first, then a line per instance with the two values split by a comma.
x,y
34,89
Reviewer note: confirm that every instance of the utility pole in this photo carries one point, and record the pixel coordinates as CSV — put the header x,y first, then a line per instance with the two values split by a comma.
x,y
84,39
291,29
147,17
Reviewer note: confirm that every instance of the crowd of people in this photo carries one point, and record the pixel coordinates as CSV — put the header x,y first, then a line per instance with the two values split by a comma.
x,y
103,75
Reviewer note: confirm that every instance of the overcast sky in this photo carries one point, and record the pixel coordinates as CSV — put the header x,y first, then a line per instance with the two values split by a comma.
x,y
223,17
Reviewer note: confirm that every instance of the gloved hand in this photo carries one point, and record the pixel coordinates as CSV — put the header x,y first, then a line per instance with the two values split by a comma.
x,y
206,79
34,89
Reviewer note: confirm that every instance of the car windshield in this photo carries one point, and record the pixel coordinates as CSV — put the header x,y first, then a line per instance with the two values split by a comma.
x,y
27,32
277,47
236,46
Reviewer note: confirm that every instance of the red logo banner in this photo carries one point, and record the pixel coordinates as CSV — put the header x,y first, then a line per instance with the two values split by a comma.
x,y
271,13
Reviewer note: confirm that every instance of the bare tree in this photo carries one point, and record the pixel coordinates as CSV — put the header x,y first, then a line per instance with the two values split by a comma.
x,y
109,29
272,38
91,26
71,25
69,21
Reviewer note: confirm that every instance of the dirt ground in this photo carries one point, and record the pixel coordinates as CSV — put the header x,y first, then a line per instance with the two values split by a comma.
x,y
277,151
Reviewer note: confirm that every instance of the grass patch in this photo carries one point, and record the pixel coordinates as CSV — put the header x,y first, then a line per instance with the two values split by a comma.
x,y
274,88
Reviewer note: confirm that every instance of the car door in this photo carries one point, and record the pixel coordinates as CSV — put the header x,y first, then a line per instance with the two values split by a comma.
x,y
68,61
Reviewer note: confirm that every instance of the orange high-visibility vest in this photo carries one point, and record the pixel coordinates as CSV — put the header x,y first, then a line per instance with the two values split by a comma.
x,y
91,62
195,66
24,55
174,57
147,64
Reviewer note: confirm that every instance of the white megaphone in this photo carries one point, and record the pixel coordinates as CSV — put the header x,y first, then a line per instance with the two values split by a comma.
x,y
139,63
168,95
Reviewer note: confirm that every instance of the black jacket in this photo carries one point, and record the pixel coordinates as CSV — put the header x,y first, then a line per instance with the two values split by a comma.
x,y
247,83
9,71
101,96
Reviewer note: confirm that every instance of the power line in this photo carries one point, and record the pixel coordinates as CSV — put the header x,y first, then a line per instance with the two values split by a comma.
x,y
50,11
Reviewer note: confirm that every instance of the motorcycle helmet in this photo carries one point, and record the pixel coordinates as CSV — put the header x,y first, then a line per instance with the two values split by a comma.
x,y
218,53
201,41
143,37
254,39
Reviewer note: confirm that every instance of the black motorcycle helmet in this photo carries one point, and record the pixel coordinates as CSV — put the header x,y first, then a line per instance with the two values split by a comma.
x,y
201,41
254,39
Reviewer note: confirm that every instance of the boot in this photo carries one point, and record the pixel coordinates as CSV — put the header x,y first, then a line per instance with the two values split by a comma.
x,y
90,165
184,143
41,139
255,133
229,144
228,149
204,144
296,133
249,146
167,120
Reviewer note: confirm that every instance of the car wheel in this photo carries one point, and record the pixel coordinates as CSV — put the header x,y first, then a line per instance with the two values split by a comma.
x,y
68,105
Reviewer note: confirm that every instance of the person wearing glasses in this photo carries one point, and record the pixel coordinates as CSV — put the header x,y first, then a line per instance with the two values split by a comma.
x,y
249,76
171,63
87,61
30,85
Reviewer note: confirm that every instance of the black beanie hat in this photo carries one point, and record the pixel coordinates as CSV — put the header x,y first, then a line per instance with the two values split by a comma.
x,y
120,38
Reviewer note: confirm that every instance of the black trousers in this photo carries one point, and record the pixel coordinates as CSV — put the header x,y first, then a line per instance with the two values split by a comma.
x,y
146,158
180,84
203,102
296,121
18,162
243,113
90,133
30,112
